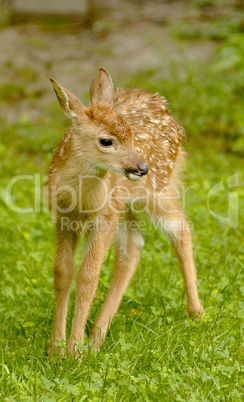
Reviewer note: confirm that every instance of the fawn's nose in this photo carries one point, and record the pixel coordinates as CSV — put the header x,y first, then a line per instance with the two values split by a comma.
x,y
143,169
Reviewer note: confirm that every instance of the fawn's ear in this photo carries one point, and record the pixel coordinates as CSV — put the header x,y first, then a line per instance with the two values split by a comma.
x,y
69,103
102,89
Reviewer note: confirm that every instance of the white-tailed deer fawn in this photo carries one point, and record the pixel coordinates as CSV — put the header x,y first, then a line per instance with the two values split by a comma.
x,y
121,153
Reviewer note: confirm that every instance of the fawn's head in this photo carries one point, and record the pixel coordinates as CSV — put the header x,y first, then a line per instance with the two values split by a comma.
x,y
103,137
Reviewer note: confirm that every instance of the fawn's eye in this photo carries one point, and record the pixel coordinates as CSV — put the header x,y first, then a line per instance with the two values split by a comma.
x,y
106,142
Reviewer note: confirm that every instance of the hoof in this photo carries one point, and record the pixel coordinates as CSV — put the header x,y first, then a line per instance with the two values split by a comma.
x,y
196,311
95,338
59,349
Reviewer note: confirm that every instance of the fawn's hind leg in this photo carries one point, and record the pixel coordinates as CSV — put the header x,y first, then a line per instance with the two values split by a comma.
x,y
173,220
63,276
128,245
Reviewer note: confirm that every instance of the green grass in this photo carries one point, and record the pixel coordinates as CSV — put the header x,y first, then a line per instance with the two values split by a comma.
x,y
153,350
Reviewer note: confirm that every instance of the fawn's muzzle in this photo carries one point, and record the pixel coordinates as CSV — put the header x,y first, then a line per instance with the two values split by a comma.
x,y
136,174
143,169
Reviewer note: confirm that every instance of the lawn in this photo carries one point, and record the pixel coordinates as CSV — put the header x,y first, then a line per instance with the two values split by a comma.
x,y
153,350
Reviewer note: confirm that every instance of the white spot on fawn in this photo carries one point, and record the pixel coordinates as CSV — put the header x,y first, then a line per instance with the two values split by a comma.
x,y
137,238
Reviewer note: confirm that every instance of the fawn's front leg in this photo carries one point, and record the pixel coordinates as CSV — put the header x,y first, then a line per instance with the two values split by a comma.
x,y
127,256
98,242
63,276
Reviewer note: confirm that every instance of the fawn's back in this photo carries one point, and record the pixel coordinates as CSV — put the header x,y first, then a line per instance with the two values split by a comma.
x,y
157,136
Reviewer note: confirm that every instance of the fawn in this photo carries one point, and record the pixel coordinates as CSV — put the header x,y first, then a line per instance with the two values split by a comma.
x,y
122,152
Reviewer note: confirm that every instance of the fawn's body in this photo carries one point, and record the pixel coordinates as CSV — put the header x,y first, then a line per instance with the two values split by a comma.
x,y
94,188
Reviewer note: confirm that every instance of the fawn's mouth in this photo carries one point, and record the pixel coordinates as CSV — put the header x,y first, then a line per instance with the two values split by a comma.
x,y
137,175
133,176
